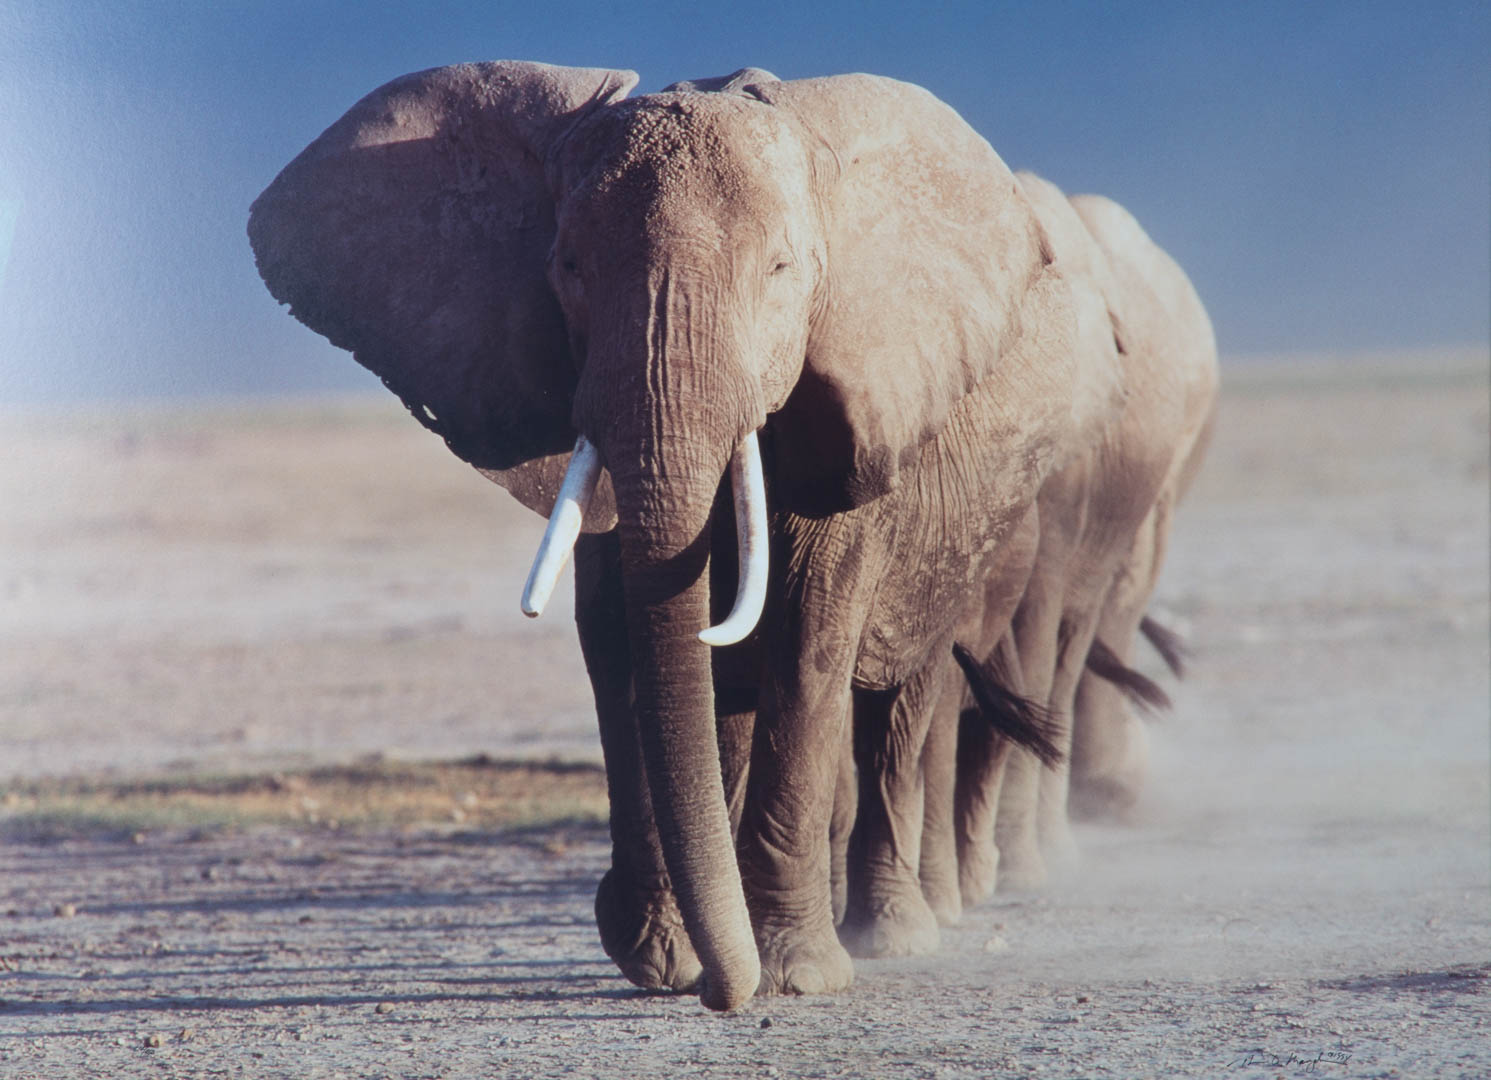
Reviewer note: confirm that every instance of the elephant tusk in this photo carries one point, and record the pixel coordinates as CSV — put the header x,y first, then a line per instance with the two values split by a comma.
x,y
749,486
580,478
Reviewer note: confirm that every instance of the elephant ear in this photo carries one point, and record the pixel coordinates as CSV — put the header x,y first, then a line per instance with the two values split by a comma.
x,y
937,267
414,232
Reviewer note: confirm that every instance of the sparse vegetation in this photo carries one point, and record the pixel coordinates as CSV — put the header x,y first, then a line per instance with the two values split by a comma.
x,y
473,793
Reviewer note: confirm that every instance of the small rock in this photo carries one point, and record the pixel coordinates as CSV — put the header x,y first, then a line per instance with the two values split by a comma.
x,y
383,1008
1083,999
154,1039
765,1022
65,911
137,838
187,1034
996,944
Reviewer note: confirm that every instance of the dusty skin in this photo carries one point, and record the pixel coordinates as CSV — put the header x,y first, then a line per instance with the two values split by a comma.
x,y
275,613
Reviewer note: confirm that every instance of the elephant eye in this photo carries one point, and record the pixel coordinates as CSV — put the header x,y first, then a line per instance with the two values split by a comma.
x,y
569,266
781,265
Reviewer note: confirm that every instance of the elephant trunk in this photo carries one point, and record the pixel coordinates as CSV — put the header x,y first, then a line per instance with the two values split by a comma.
x,y
666,398
663,513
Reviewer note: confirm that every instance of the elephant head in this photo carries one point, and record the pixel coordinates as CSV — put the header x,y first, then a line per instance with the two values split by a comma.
x,y
526,256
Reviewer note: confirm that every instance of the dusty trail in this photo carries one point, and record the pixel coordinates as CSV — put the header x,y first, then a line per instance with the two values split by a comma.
x,y
252,591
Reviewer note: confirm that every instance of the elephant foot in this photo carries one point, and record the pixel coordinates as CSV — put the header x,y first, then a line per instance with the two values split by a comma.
x,y
943,895
978,873
1022,867
642,931
902,925
1103,798
798,962
1107,780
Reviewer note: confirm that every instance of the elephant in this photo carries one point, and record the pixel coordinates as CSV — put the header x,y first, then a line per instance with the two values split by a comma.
x,y
821,310
1103,519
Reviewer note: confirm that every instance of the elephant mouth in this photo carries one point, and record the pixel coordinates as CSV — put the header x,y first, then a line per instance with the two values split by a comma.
x,y
748,485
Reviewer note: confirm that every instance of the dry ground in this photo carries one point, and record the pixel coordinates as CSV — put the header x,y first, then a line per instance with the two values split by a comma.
x,y
247,654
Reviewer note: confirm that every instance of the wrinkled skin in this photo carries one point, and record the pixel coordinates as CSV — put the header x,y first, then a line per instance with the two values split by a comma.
x,y
524,255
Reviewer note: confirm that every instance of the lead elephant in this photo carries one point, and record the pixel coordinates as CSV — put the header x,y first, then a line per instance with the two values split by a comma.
x,y
837,270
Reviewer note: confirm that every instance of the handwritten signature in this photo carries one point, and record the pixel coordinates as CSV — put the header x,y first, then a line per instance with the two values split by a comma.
x,y
1255,1058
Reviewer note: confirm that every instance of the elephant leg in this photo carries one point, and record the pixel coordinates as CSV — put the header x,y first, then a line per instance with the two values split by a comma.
x,y
1036,632
939,856
887,913
783,846
1110,752
841,825
982,758
1110,744
1053,825
636,912
735,726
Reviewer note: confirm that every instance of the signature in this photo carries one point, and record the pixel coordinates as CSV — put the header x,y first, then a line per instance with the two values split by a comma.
x,y
1256,1058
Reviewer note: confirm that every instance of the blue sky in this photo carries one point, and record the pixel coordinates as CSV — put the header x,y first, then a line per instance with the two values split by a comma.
x,y
1322,170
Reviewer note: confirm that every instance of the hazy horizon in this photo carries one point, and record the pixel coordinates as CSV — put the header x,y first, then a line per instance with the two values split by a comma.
x,y
1322,172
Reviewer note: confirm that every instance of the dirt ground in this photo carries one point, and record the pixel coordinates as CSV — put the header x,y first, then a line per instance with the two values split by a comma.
x,y
230,637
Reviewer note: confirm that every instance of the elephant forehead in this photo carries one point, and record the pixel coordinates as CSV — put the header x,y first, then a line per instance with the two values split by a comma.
x,y
730,146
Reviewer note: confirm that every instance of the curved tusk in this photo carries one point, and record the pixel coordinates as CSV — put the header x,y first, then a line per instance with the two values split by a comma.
x,y
580,478
749,486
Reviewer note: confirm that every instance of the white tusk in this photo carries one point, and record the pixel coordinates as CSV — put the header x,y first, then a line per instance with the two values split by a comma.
x,y
580,478
749,486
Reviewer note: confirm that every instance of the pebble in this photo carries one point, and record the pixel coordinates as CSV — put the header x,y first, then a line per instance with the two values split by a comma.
x,y
154,1039
383,1008
65,911
765,1022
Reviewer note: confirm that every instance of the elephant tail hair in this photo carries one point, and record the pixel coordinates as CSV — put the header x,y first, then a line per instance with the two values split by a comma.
x,y
1013,715
1140,689
1170,645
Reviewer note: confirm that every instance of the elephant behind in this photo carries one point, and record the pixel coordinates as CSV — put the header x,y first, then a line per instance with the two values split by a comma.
x,y
1100,528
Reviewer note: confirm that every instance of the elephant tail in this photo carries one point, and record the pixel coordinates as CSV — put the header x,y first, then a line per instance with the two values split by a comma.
x,y
1170,645
1140,689
1014,716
